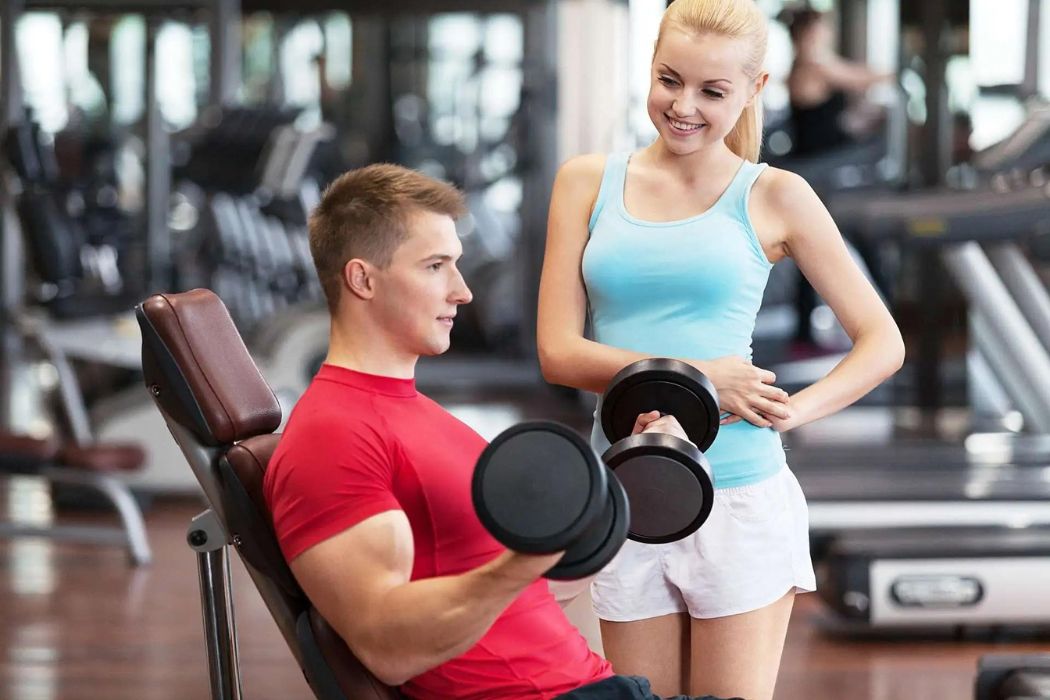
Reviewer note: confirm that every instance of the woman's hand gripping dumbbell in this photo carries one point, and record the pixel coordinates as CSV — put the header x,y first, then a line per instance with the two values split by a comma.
x,y
660,415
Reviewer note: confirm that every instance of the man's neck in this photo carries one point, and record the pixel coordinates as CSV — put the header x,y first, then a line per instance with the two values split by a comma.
x,y
369,351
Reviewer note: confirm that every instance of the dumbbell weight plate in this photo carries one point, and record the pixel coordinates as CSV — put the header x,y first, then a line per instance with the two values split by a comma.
x,y
668,485
538,487
670,386
599,545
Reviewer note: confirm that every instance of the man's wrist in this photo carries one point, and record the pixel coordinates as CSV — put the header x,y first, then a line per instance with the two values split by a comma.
x,y
508,572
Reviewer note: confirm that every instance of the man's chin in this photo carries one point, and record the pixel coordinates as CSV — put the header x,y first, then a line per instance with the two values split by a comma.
x,y
436,348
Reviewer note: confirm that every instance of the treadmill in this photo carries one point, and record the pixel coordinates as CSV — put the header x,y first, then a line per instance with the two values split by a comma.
x,y
933,534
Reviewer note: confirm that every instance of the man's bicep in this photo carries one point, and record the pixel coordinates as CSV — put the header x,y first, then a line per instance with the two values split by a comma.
x,y
347,575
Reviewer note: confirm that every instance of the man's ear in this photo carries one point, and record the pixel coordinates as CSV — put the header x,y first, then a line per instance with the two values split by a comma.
x,y
358,278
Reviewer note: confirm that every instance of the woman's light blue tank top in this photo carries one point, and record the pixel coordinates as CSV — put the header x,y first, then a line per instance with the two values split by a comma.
x,y
689,289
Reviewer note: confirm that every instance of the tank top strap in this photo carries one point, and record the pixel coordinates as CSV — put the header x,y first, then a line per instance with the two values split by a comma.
x,y
739,191
613,178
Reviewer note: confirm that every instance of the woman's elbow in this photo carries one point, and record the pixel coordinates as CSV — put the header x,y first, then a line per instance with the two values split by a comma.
x,y
894,352
550,362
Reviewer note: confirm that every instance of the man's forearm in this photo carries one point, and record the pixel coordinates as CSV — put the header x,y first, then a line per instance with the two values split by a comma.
x,y
422,624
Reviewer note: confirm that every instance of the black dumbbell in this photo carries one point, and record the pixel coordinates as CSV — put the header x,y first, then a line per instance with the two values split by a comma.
x,y
667,479
540,488
1004,676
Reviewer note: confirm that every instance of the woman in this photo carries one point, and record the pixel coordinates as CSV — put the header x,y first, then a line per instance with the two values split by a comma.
x,y
668,249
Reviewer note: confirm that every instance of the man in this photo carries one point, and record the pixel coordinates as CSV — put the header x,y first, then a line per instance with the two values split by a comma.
x,y
370,486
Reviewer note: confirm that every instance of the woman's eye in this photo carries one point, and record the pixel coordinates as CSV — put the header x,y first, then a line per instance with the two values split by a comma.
x,y
715,94
667,81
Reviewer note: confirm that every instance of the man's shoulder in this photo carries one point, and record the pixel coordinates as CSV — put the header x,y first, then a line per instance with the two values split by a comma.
x,y
321,422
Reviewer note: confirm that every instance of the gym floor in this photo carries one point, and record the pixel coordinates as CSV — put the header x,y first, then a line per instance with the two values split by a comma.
x,y
78,623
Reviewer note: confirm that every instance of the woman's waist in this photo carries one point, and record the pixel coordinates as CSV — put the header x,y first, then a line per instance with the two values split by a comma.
x,y
675,340
743,441
736,443
741,455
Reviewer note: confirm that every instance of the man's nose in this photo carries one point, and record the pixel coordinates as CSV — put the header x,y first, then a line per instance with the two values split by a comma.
x,y
461,293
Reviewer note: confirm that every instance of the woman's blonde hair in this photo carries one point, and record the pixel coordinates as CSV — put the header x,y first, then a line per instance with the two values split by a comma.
x,y
738,19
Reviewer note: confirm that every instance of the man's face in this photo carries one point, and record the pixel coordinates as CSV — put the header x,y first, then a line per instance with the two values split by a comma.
x,y
416,296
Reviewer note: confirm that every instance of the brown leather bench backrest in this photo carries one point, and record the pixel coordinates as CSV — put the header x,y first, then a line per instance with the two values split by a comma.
x,y
204,380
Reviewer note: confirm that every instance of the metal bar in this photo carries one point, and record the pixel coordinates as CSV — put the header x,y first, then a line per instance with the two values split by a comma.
x,y
158,175
12,290
119,495
538,152
992,349
835,516
853,37
928,360
91,534
935,146
163,7
933,165
385,8
206,537
988,296
1024,284
224,24
10,81
988,398
373,115
12,255
68,385
1030,81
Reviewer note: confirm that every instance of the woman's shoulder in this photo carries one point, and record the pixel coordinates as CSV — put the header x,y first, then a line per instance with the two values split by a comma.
x,y
585,166
582,173
783,200
780,188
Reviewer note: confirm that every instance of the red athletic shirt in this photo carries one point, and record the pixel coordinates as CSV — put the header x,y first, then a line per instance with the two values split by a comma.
x,y
357,445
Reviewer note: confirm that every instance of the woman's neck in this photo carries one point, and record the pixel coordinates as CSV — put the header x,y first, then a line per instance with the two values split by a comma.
x,y
713,157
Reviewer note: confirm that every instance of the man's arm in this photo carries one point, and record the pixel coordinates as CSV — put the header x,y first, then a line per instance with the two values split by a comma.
x,y
359,581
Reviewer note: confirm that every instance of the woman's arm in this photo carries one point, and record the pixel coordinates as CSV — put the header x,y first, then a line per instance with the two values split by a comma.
x,y
567,357
813,240
850,75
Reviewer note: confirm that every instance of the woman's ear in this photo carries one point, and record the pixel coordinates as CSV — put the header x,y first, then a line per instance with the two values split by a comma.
x,y
758,85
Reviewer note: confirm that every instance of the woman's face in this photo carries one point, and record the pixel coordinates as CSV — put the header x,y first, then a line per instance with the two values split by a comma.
x,y
698,88
818,35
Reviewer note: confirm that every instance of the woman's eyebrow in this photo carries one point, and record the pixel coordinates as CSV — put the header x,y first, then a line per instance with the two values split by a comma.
x,y
672,71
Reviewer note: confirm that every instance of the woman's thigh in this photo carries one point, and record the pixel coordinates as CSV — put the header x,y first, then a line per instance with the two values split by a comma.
x,y
656,648
739,655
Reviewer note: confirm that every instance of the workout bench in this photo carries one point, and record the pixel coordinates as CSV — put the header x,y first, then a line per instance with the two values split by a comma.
x,y
222,414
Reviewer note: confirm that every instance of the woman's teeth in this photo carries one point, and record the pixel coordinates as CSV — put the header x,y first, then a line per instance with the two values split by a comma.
x,y
683,126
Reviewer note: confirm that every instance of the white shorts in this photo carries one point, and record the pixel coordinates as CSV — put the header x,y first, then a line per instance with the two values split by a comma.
x,y
753,549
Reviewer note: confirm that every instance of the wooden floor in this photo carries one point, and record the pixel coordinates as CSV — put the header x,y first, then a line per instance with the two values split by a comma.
x,y
77,623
